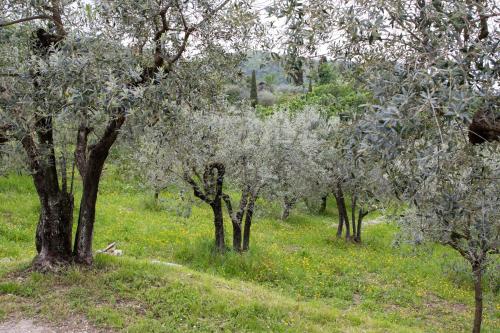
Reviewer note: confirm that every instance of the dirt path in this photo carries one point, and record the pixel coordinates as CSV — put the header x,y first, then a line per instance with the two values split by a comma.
x,y
30,326
26,326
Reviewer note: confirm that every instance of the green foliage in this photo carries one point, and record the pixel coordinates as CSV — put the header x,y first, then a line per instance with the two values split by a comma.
x,y
326,73
332,99
271,79
338,97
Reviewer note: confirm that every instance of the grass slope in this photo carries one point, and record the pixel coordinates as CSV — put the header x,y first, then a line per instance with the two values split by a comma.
x,y
296,278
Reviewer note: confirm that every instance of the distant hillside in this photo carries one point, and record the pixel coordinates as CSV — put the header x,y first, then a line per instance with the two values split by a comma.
x,y
263,65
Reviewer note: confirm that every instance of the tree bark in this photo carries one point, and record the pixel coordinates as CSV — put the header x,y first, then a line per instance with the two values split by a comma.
x,y
212,194
343,216
478,296
237,217
246,207
216,205
346,219
86,217
54,229
361,215
340,214
287,206
237,237
54,232
248,223
93,166
322,208
353,215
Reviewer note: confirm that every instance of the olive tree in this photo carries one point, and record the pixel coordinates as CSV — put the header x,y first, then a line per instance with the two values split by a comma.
x,y
189,144
431,66
292,145
247,170
74,73
204,149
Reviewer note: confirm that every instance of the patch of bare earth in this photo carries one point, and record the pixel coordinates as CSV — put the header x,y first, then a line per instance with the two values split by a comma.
x,y
76,325
434,302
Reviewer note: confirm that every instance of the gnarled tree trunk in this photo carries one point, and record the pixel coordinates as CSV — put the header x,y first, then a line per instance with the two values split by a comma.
x,y
478,297
246,206
248,223
340,214
90,167
342,209
54,229
220,244
237,217
361,214
287,207
212,195
86,217
353,215
322,208
53,232
485,126
237,238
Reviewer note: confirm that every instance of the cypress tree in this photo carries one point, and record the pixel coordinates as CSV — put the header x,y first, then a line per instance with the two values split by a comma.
x,y
253,90
325,71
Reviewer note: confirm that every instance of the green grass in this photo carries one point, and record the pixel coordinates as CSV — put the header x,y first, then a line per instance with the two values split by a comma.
x,y
297,277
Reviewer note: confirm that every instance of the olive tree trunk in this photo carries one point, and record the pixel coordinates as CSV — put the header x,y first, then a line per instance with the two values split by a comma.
x,y
54,229
478,297
245,209
340,214
54,232
361,215
287,207
322,207
210,192
353,214
248,223
220,244
342,209
90,162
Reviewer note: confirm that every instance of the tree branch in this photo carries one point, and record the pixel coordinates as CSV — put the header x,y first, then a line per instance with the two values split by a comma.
x,y
56,10
10,75
243,203
183,46
212,13
81,148
229,206
33,154
189,30
25,19
196,189
110,134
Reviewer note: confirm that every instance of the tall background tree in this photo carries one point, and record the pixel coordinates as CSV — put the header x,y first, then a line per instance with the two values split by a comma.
x,y
254,100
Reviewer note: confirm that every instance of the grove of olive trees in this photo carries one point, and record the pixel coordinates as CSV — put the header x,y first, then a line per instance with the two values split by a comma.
x,y
403,115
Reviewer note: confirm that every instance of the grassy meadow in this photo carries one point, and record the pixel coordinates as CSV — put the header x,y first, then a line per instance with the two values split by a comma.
x,y
297,276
